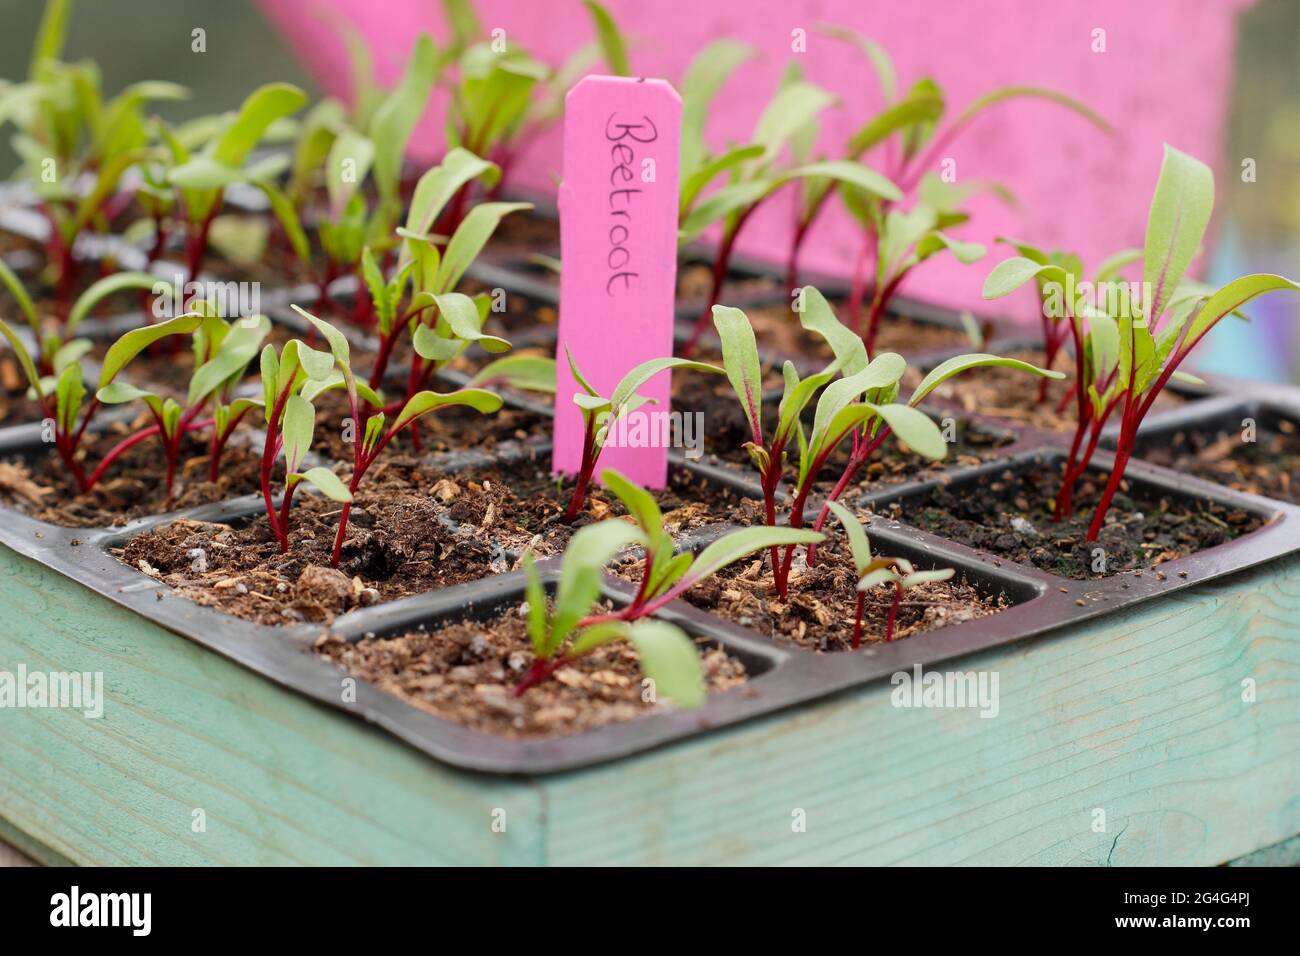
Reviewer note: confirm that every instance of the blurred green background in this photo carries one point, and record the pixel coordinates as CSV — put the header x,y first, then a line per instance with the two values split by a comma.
x,y
1257,223
150,40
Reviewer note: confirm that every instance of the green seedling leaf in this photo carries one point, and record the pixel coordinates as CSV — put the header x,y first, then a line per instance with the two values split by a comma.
x,y
24,359
612,46
346,168
534,373
437,186
19,292
1180,211
740,359
1230,298
236,350
730,548
640,503
705,75
859,546
535,595
466,322
102,289
69,391
669,658
326,482
916,578
961,363
694,183
297,428
137,340
588,552
120,393
396,116
338,342
817,316
259,110
794,105
916,429
422,403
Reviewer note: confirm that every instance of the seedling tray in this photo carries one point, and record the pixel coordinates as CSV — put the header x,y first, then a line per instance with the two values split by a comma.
x,y
793,693
782,675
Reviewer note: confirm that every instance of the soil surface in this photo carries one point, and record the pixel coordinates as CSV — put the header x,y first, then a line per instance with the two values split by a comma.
x,y
449,429
819,612
415,527
1002,392
133,487
1269,466
1010,515
467,671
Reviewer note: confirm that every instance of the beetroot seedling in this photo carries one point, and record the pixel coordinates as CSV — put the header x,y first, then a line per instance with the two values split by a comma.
x,y
76,146
665,576
911,132
222,353
377,432
860,404
1155,331
754,172
875,571
61,397
599,414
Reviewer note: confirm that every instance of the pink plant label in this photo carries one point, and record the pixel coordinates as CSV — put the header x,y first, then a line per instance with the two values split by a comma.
x,y
618,244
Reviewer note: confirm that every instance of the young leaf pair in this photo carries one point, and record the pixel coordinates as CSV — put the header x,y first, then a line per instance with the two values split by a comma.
x,y
1151,337
222,353
564,634
756,171
875,571
911,132
599,414
55,377
322,371
75,146
857,399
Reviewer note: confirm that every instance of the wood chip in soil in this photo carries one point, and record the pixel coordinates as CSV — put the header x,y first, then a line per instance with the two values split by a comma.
x,y
466,672
1268,466
1009,514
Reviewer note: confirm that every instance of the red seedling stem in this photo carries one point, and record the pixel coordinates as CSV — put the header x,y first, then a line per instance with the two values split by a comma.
x,y
879,304
218,446
721,263
893,611
863,449
857,620
585,470
271,448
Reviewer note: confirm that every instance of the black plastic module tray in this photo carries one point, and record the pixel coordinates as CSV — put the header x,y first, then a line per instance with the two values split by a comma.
x,y
782,675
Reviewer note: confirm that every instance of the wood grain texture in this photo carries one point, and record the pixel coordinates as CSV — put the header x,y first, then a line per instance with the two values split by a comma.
x,y
281,780
1139,715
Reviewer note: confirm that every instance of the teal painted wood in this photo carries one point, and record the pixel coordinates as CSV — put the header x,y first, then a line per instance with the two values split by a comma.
x,y
1140,716
281,780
